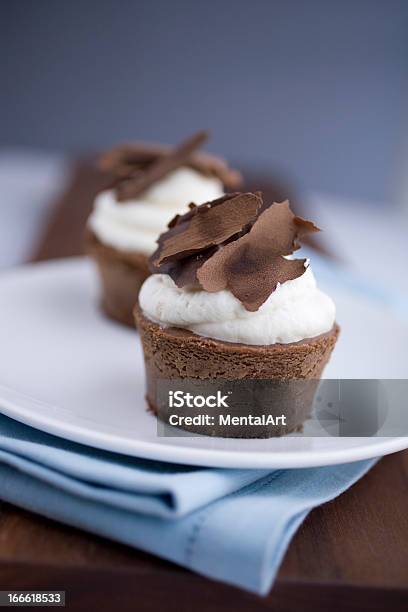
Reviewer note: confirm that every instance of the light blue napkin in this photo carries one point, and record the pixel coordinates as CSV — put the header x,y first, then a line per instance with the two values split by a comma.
x,y
230,525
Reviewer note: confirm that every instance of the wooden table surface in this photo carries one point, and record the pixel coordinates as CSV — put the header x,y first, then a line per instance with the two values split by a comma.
x,y
350,554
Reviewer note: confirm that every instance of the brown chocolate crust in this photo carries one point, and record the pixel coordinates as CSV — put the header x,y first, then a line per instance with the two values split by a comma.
x,y
173,353
121,276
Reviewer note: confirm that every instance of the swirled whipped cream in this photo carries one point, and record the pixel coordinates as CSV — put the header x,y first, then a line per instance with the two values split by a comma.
x,y
135,224
296,310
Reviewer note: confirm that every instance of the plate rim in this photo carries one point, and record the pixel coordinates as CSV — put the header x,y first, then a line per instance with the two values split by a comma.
x,y
216,458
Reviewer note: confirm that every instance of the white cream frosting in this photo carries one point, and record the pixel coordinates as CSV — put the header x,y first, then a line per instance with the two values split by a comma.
x,y
296,310
134,225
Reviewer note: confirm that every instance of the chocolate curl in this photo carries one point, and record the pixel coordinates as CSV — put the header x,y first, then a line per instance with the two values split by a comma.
x,y
123,161
132,168
206,226
236,242
215,166
138,183
252,266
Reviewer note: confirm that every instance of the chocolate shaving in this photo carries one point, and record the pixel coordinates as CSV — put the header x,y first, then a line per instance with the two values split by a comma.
x,y
134,168
252,266
234,243
215,166
124,160
184,271
138,183
206,226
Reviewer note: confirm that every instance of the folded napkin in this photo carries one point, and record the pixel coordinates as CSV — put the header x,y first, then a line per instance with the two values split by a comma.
x,y
230,525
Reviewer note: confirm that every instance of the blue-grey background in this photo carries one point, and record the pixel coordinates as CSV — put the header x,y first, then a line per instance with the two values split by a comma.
x,y
313,88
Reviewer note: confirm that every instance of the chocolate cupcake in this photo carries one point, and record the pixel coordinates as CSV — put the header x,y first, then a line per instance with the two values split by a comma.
x,y
228,302
150,184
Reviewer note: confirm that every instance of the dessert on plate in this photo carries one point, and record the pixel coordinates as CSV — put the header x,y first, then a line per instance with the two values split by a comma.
x,y
228,301
150,184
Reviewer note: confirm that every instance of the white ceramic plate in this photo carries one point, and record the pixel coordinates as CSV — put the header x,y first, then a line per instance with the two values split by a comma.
x,y
67,370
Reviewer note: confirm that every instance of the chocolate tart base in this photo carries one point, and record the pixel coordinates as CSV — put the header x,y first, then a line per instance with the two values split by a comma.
x,y
295,369
121,275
